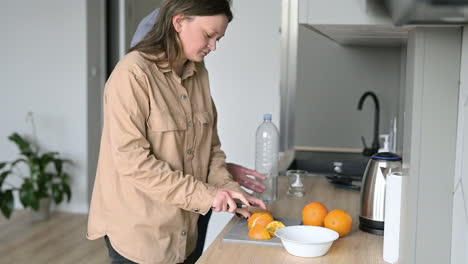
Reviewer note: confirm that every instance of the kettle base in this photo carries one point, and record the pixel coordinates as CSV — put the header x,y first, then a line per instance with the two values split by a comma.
x,y
371,226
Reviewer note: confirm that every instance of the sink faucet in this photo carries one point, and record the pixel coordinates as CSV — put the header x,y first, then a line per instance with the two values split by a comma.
x,y
375,143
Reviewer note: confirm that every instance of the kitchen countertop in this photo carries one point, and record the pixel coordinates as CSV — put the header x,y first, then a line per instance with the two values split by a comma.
x,y
357,248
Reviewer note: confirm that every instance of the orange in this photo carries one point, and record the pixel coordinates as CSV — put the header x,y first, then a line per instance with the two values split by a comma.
x,y
314,214
259,232
273,226
262,219
340,221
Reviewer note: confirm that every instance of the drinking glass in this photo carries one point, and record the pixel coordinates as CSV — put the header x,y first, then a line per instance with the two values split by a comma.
x,y
295,185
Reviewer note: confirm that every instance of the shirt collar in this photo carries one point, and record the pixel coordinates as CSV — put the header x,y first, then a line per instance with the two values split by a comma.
x,y
190,69
163,66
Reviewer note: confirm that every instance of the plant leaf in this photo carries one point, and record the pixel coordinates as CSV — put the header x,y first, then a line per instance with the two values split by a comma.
x,y
57,193
50,155
65,178
43,180
67,191
50,177
23,144
2,165
58,165
18,161
6,203
44,160
3,176
35,201
26,194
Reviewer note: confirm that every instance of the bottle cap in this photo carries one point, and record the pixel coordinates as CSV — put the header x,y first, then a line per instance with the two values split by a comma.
x,y
267,117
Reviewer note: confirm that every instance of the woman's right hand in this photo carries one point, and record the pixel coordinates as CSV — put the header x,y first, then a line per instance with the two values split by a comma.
x,y
224,200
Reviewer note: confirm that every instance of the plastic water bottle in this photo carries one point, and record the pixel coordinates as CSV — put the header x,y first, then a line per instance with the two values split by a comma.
x,y
266,157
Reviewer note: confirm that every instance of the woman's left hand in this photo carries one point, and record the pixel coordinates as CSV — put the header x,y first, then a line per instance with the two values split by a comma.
x,y
240,173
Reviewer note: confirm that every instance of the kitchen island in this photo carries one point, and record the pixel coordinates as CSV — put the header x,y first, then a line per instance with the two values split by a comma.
x,y
357,248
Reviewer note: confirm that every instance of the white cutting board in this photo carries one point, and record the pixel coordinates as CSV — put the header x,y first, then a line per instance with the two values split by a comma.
x,y
240,233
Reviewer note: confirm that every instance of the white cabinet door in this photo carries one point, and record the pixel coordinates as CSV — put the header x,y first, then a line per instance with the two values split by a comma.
x,y
342,12
352,22
460,214
429,151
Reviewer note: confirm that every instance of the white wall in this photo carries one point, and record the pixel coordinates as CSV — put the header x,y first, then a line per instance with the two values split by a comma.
x,y
331,79
244,78
44,70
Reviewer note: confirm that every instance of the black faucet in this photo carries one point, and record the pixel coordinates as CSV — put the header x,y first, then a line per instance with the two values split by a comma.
x,y
375,143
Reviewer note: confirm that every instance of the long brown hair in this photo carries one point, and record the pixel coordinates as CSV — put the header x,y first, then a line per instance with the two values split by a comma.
x,y
164,39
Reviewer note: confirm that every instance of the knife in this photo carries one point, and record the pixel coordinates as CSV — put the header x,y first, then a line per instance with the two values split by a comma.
x,y
252,209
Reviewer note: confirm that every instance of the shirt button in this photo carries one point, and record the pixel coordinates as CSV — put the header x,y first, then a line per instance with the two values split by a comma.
x,y
189,152
190,123
183,97
196,210
183,233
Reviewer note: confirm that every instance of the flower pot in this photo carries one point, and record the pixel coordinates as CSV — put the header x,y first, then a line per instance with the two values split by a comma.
x,y
43,212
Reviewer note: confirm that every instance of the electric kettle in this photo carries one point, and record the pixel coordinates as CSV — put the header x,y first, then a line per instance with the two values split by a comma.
x,y
371,216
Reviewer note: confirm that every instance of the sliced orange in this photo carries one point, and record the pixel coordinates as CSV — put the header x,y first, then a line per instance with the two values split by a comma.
x,y
259,232
262,219
273,226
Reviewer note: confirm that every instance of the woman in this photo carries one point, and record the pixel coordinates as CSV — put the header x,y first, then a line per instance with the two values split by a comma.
x,y
160,162
239,173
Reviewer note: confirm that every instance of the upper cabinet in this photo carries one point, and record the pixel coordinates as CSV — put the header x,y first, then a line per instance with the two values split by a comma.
x,y
344,12
352,22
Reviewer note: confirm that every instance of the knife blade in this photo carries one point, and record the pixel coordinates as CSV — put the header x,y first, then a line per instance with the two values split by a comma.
x,y
252,209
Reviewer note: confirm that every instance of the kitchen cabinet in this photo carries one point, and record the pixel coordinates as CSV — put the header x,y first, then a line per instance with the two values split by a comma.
x,y
429,149
432,105
357,248
352,22
343,12
459,253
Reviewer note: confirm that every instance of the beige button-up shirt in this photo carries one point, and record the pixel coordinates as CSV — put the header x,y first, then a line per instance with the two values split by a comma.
x,y
160,161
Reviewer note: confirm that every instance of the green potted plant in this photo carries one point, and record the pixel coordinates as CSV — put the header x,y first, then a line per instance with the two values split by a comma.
x,y
44,181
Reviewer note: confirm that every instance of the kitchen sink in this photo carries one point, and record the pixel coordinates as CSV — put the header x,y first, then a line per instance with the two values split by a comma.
x,y
344,169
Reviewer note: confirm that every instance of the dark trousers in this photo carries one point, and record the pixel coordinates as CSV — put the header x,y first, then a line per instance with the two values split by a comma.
x,y
202,224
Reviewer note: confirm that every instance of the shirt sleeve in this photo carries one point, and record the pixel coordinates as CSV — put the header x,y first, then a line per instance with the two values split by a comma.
x,y
218,173
126,110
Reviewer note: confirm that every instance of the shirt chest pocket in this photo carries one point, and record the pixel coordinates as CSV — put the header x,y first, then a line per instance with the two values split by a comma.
x,y
164,121
205,118
204,126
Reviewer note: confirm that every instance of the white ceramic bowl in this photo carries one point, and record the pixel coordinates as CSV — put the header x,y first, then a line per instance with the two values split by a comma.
x,y
307,241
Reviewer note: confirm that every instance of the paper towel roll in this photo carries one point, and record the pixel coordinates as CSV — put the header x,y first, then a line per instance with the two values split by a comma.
x,y
391,243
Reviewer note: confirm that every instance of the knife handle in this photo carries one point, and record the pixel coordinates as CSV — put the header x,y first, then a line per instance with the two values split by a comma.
x,y
240,205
